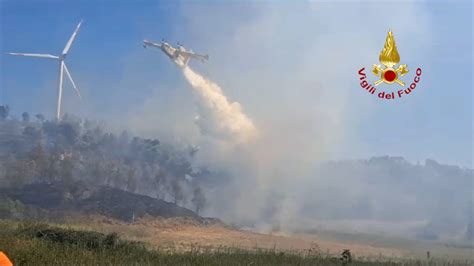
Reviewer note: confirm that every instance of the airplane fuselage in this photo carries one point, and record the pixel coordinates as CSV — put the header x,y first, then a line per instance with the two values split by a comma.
x,y
174,55
179,55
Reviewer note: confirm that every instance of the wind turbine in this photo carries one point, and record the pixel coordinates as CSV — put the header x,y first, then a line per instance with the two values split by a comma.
x,y
62,67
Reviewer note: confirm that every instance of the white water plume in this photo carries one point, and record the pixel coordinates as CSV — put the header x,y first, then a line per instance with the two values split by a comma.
x,y
219,117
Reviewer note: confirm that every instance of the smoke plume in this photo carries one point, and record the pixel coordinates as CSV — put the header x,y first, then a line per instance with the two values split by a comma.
x,y
218,117
305,111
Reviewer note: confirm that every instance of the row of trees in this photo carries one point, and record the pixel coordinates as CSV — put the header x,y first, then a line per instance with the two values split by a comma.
x,y
70,150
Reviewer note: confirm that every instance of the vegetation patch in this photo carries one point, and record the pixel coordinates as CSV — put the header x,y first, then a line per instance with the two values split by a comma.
x,y
43,244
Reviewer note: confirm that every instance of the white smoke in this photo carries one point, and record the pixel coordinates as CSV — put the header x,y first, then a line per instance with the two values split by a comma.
x,y
306,109
218,117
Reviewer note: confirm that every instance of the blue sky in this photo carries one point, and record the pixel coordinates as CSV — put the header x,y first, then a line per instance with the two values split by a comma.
x,y
292,66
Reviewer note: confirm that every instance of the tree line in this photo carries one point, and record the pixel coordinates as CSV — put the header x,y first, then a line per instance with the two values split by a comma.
x,y
34,149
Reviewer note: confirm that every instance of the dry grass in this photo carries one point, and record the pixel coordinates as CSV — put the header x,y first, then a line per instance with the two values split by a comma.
x,y
42,244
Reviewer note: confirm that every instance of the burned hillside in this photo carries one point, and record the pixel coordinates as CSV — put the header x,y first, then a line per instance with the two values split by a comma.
x,y
46,200
36,150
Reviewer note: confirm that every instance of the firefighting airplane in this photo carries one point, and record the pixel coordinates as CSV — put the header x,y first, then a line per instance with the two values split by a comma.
x,y
179,55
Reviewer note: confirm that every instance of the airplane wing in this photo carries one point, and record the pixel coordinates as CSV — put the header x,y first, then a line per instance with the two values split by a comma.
x,y
193,55
145,43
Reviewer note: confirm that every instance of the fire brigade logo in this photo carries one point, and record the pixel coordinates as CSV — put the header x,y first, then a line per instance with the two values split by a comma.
x,y
389,57
388,73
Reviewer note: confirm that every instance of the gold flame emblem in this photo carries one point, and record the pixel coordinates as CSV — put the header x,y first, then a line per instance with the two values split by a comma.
x,y
389,57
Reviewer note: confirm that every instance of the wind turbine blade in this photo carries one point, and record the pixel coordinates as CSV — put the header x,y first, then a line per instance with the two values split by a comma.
x,y
71,40
72,81
36,55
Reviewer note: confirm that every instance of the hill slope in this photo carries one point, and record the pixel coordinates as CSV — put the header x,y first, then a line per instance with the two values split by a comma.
x,y
111,202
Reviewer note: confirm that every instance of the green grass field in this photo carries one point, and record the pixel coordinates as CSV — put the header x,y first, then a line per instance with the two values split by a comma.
x,y
42,244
